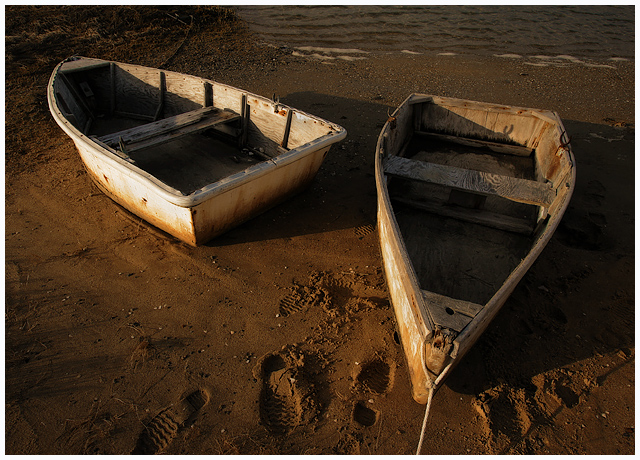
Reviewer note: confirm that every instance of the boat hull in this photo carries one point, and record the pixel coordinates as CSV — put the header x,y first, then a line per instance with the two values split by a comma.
x,y
179,168
212,217
439,321
403,293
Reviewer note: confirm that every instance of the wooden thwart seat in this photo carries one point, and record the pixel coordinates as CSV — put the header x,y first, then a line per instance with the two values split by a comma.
x,y
169,129
512,188
448,312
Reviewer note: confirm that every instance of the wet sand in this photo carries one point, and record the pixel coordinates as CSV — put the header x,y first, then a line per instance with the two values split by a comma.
x,y
114,329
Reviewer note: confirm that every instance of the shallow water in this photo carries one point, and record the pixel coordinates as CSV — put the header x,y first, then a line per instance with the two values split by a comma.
x,y
561,33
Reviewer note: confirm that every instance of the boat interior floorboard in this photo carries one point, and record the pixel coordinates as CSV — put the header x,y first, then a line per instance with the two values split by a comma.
x,y
186,163
459,259
192,161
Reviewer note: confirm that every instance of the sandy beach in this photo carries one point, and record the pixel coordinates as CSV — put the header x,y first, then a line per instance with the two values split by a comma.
x,y
110,324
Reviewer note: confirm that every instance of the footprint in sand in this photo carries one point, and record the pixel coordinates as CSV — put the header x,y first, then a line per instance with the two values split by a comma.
x,y
506,413
291,304
286,399
164,427
364,415
302,298
582,229
376,376
338,294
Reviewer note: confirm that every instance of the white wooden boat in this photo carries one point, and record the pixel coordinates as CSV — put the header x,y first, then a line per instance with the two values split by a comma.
x,y
469,194
191,156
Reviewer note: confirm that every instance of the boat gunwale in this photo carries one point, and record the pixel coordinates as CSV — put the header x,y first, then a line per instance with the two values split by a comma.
x,y
544,114
380,147
207,192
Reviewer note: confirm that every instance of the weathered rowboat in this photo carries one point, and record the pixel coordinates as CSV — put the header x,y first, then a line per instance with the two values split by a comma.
x,y
191,156
469,194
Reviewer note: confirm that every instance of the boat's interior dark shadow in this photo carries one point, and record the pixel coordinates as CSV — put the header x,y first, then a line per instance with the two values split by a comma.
x,y
577,301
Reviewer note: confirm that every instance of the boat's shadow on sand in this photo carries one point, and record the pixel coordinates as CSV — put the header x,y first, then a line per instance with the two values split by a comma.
x,y
577,301
343,194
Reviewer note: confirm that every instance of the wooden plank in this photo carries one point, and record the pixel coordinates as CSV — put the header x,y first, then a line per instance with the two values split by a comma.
x,y
184,93
194,128
208,94
503,126
80,65
454,103
137,90
168,129
417,117
228,130
512,188
158,127
69,106
463,307
287,130
163,90
112,81
475,216
120,153
497,147
546,115
448,312
419,99
245,113
86,90
76,95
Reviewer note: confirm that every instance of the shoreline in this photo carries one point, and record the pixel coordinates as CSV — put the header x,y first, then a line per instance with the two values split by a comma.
x,y
539,60
109,322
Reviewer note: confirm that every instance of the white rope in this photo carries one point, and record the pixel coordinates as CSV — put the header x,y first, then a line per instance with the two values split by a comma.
x,y
424,422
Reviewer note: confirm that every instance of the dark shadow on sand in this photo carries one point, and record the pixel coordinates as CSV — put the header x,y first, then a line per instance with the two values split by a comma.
x,y
578,298
343,194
